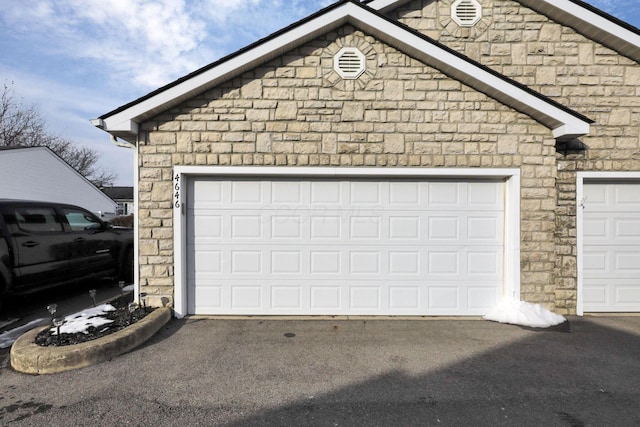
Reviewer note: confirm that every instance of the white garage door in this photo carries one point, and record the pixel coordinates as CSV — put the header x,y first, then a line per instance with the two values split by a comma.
x,y
611,273
344,247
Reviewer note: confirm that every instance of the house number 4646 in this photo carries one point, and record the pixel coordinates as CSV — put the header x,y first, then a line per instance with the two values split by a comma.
x,y
177,188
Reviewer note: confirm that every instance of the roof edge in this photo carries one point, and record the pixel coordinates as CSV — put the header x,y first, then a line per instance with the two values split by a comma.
x,y
565,122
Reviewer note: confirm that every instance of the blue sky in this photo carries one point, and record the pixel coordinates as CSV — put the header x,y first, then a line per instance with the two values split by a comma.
x,y
78,59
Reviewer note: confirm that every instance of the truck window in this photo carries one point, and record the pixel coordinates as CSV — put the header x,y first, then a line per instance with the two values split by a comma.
x,y
81,220
37,220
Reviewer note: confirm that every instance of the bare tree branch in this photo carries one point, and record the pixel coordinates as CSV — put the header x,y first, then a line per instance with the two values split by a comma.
x,y
23,126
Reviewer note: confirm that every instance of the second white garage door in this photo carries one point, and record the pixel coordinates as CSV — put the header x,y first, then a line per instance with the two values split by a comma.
x,y
344,247
611,274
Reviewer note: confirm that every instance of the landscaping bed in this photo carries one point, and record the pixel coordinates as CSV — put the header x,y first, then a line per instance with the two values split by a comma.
x,y
95,323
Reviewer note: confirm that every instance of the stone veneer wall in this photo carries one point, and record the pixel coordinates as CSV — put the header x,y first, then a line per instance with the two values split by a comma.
x,y
569,68
293,111
288,113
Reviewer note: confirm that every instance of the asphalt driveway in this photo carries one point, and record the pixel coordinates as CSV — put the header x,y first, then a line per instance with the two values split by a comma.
x,y
205,372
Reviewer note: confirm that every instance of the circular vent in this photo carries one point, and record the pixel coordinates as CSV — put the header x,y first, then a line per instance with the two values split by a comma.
x,y
349,63
466,13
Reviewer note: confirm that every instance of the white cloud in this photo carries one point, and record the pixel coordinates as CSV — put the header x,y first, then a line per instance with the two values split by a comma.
x,y
77,59
152,42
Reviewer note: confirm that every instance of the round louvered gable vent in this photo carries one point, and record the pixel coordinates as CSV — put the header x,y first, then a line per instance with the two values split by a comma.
x,y
466,13
349,63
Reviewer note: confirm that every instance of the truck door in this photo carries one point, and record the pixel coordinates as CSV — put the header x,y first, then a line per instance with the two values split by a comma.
x,y
41,247
91,254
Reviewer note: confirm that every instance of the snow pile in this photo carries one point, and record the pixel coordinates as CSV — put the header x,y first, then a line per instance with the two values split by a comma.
x,y
9,337
83,320
523,313
128,288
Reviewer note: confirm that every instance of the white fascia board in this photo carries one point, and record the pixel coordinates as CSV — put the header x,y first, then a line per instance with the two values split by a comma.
x,y
385,5
604,30
125,122
342,172
572,130
564,124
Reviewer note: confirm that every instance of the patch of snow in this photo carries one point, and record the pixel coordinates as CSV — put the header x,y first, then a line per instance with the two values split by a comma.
x,y
83,320
515,312
8,338
128,288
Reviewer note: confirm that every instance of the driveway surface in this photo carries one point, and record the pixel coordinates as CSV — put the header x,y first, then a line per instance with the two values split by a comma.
x,y
207,372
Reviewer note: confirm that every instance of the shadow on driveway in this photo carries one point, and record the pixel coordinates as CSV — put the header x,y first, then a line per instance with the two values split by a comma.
x,y
349,373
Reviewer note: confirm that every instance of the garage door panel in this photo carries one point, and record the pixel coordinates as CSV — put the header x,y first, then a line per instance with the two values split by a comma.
x,y
602,228
286,192
326,193
612,294
627,229
206,193
365,193
611,248
612,260
627,293
484,195
406,194
481,298
268,224
596,262
248,193
619,197
627,196
341,297
344,247
485,229
409,262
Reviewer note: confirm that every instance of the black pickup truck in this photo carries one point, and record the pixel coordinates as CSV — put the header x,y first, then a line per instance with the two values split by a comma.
x,y
44,244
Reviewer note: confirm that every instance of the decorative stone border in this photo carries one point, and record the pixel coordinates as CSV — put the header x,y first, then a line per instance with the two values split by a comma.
x,y
355,39
448,23
30,358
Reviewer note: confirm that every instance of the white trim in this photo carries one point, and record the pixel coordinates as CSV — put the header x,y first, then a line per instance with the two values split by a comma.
x,y
563,123
600,28
136,228
184,173
385,5
582,178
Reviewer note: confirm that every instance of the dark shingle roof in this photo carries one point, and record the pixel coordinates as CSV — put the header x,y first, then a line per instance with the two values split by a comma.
x,y
118,193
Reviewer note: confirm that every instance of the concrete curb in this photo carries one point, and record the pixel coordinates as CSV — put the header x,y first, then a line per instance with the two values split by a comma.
x,y
30,358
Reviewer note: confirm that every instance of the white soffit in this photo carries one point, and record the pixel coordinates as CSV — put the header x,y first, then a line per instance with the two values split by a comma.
x,y
565,123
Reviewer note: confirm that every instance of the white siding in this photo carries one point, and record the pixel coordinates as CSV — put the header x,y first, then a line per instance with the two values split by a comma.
x,y
38,174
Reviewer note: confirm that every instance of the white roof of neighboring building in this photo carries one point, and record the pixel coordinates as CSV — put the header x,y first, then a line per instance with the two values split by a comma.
x,y
37,173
